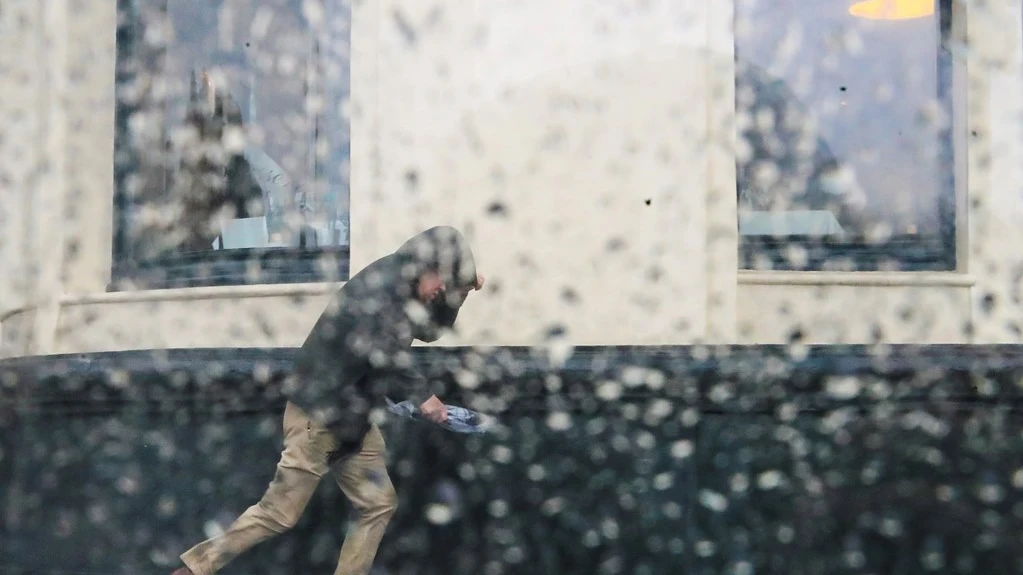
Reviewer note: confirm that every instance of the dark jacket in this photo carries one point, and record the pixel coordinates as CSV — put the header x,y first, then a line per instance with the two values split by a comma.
x,y
358,350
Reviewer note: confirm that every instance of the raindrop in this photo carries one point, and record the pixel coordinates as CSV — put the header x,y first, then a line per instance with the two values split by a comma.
x,y
559,347
713,500
615,245
553,506
646,440
743,568
498,508
445,503
536,472
690,417
467,379
843,387
705,548
466,471
663,481
497,209
682,449
609,528
569,295
769,479
127,485
609,390
1017,479
855,559
657,411
990,492
212,529
739,482
501,454
933,560
515,555
944,493
721,392
439,514
559,421
891,527
787,411
672,510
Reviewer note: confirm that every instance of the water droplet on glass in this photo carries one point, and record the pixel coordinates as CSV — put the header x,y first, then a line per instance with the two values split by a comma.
x,y
439,514
739,482
705,548
769,479
536,472
682,449
553,506
663,481
843,387
713,500
609,390
743,568
498,508
559,421
501,454
1017,479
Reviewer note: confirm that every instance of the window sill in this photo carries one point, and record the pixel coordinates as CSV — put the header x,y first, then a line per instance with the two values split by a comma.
x,y
203,293
898,255
878,279
232,269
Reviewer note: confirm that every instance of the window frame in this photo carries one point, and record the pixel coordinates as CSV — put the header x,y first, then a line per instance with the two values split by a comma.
x,y
900,253
233,267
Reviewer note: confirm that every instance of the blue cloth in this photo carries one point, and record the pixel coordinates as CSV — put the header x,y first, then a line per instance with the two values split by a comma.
x,y
460,419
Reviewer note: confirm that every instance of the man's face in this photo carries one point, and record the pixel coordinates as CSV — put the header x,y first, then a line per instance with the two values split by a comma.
x,y
431,287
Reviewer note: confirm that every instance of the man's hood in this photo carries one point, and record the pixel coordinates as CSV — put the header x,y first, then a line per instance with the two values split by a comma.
x,y
443,250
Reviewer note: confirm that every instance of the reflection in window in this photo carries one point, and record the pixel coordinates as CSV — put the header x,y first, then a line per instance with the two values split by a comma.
x,y
845,138
253,146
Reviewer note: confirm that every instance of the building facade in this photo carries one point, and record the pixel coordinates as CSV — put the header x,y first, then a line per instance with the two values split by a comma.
x,y
752,276
577,165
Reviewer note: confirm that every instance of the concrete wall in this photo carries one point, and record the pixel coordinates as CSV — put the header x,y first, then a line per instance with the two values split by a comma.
x,y
584,122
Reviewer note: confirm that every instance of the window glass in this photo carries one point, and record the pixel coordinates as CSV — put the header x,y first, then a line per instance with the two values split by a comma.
x,y
252,149
844,142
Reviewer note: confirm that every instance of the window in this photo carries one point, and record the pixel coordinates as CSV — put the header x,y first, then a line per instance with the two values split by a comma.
x,y
846,157
232,146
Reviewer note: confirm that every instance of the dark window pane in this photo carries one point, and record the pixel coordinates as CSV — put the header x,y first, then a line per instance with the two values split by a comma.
x,y
232,146
845,140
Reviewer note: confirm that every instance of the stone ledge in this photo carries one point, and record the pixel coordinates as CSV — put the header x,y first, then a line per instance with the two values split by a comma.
x,y
719,378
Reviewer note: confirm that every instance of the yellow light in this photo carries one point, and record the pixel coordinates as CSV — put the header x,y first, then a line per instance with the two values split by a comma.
x,y
892,9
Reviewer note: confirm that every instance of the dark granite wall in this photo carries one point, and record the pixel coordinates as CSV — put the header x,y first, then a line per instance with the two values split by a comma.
x,y
737,460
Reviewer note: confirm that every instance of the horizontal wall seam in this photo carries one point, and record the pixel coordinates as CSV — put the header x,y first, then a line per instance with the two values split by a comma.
x,y
878,279
188,294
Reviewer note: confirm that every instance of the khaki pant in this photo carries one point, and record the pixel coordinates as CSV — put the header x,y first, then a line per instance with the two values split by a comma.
x,y
363,479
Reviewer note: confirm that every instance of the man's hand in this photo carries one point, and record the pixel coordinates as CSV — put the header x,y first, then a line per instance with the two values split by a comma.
x,y
433,410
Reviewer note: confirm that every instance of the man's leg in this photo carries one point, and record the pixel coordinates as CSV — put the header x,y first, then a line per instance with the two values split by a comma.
x,y
364,480
303,462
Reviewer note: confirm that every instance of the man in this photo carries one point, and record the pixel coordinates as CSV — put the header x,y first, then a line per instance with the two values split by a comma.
x,y
357,352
